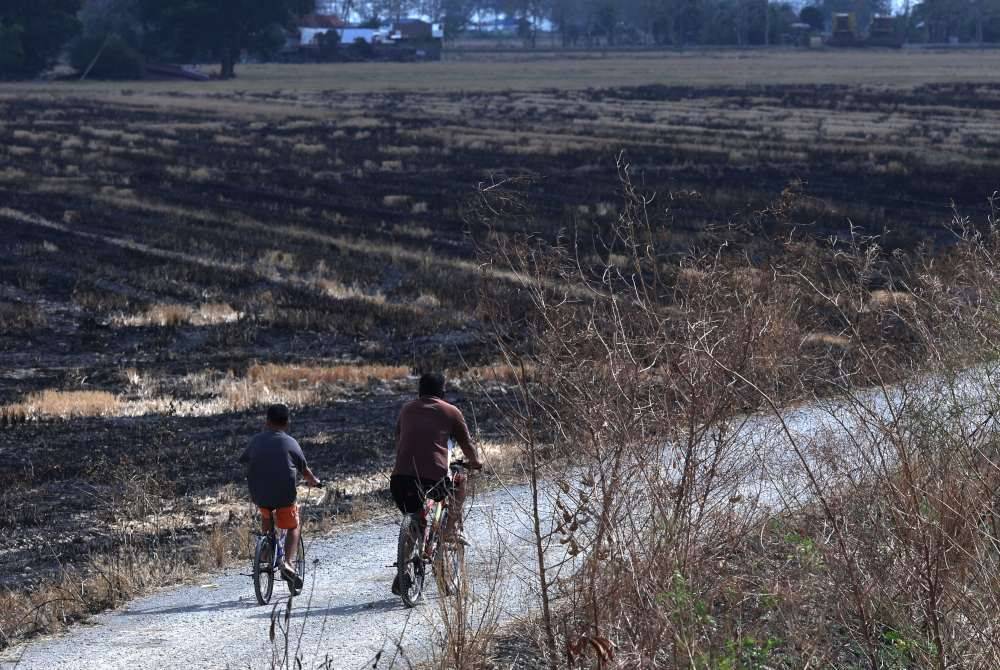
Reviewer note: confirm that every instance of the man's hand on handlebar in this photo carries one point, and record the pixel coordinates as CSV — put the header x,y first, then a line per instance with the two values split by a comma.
x,y
467,465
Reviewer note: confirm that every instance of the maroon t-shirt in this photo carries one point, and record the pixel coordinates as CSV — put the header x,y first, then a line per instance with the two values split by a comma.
x,y
422,433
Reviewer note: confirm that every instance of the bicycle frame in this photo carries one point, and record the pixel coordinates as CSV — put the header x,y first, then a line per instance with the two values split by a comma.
x,y
420,547
277,541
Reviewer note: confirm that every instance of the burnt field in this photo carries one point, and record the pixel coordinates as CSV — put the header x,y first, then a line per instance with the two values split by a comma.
x,y
171,262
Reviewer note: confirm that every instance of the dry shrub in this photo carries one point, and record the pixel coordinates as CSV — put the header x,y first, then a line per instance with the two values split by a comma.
x,y
706,525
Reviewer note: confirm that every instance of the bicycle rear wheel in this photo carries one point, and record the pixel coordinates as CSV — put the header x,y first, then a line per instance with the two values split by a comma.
x,y
300,568
263,570
409,562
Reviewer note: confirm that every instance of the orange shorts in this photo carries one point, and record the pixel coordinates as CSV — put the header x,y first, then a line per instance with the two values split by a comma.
x,y
286,518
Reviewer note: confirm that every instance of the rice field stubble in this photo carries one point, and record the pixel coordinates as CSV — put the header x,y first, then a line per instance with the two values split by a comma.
x,y
164,245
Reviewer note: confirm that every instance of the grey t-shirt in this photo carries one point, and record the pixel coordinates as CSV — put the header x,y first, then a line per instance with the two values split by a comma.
x,y
274,461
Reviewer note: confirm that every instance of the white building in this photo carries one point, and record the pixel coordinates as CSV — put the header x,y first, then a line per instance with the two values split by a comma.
x,y
347,35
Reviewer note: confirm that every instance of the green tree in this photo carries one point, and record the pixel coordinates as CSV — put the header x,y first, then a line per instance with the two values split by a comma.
x,y
219,29
813,17
33,33
107,57
456,17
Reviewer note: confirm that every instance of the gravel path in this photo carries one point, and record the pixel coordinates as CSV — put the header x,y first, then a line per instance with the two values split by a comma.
x,y
346,617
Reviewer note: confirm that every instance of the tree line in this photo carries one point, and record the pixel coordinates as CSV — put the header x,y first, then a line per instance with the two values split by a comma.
x,y
114,38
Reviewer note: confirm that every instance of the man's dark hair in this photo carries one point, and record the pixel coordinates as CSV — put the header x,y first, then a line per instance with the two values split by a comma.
x,y
277,414
432,384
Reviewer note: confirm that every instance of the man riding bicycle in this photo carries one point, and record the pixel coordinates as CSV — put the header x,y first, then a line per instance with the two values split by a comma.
x,y
274,461
424,427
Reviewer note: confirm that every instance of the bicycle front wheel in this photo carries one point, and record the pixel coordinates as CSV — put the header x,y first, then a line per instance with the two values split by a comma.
x,y
409,563
263,570
449,567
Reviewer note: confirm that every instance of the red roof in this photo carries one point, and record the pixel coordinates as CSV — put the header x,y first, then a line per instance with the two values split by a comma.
x,y
321,21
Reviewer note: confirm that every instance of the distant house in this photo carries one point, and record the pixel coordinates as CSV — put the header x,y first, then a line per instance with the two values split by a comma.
x,y
367,35
416,30
507,25
313,25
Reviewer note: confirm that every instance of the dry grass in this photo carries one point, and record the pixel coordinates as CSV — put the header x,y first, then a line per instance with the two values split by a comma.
x,y
12,174
214,392
707,68
501,373
309,149
826,340
132,569
395,200
297,376
503,459
64,405
172,315
894,300
336,289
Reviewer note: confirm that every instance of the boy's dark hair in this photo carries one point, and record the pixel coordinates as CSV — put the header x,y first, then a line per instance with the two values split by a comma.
x,y
432,384
277,414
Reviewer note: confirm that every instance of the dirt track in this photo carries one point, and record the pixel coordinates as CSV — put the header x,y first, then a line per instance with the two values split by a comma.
x,y
346,615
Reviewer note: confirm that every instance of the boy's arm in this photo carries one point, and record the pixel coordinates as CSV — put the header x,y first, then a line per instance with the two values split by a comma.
x,y
303,467
310,478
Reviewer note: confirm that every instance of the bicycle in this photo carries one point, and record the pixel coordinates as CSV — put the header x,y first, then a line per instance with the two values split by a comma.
x,y
420,546
269,550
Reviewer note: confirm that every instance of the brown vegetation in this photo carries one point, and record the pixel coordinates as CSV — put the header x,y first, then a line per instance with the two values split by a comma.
x,y
296,376
703,535
52,403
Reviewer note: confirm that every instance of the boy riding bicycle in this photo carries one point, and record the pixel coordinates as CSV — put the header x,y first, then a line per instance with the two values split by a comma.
x,y
274,461
423,430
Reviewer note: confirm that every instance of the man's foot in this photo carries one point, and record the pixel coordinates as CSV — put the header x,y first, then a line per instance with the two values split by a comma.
x,y
395,586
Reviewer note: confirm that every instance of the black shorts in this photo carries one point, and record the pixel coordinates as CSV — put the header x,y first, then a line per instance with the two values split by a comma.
x,y
409,493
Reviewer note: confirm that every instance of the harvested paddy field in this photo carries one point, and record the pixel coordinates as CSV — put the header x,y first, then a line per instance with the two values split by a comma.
x,y
177,256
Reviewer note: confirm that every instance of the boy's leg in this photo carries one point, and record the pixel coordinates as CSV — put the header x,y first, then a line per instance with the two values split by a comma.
x,y
287,519
291,545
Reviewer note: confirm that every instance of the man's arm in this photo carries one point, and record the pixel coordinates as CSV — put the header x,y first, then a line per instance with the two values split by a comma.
x,y
245,456
460,433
